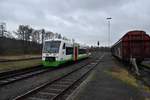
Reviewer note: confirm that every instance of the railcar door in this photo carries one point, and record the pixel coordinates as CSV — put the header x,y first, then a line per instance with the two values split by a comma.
x,y
75,53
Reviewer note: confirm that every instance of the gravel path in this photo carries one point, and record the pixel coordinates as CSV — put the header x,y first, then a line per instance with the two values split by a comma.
x,y
102,86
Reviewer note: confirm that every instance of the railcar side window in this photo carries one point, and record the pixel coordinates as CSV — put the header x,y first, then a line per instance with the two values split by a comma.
x,y
69,50
82,51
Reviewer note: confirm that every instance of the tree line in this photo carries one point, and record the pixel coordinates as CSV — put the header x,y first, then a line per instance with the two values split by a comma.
x,y
27,33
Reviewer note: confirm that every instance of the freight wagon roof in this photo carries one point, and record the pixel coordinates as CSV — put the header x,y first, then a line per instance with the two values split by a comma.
x,y
136,35
131,33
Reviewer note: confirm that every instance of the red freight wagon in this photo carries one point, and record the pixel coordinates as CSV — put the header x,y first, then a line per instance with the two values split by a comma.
x,y
134,44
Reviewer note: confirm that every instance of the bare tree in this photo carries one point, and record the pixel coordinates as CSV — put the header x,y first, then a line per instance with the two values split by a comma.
x,y
35,36
24,32
9,34
59,36
49,35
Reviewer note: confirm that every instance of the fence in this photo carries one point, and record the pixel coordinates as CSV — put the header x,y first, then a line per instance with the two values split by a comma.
x,y
16,47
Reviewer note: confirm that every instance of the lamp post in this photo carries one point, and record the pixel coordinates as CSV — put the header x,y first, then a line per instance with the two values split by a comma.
x,y
109,40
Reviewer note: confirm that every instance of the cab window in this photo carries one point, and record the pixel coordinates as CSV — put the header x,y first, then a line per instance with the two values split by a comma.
x,y
64,46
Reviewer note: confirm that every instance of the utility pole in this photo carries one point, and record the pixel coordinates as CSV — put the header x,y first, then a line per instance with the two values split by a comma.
x,y
2,28
109,39
43,35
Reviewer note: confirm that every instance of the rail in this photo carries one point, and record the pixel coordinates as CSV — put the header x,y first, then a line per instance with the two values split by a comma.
x,y
12,76
52,90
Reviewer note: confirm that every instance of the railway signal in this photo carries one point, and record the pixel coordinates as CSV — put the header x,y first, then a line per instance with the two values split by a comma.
x,y
98,43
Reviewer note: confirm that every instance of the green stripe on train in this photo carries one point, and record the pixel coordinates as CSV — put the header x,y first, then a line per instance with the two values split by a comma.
x,y
82,56
53,64
57,63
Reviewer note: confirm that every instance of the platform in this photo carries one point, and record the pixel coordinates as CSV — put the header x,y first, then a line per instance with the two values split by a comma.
x,y
102,86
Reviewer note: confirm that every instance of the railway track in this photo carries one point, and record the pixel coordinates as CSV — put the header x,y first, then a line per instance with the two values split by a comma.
x,y
1,61
53,90
12,76
144,74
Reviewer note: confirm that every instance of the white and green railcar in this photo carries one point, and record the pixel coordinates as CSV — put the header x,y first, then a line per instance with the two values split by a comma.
x,y
58,51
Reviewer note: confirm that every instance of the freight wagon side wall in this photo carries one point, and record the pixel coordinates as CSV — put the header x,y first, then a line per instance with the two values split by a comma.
x,y
117,50
135,45
147,46
125,50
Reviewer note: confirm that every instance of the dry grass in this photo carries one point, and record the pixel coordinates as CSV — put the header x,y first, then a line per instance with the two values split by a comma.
x,y
123,75
146,63
5,66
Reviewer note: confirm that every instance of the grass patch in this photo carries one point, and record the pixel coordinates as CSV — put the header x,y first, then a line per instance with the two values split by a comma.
x,y
17,57
5,66
146,63
123,75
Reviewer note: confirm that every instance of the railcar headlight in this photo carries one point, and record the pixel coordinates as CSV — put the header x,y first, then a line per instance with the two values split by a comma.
x,y
43,58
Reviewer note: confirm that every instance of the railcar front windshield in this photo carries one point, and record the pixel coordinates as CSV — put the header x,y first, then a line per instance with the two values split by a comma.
x,y
51,46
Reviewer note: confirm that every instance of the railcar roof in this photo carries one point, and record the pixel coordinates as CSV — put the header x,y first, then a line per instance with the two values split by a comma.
x,y
67,41
59,40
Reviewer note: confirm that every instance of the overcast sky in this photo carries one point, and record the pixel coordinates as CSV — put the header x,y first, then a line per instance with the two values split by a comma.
x,y
83,20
